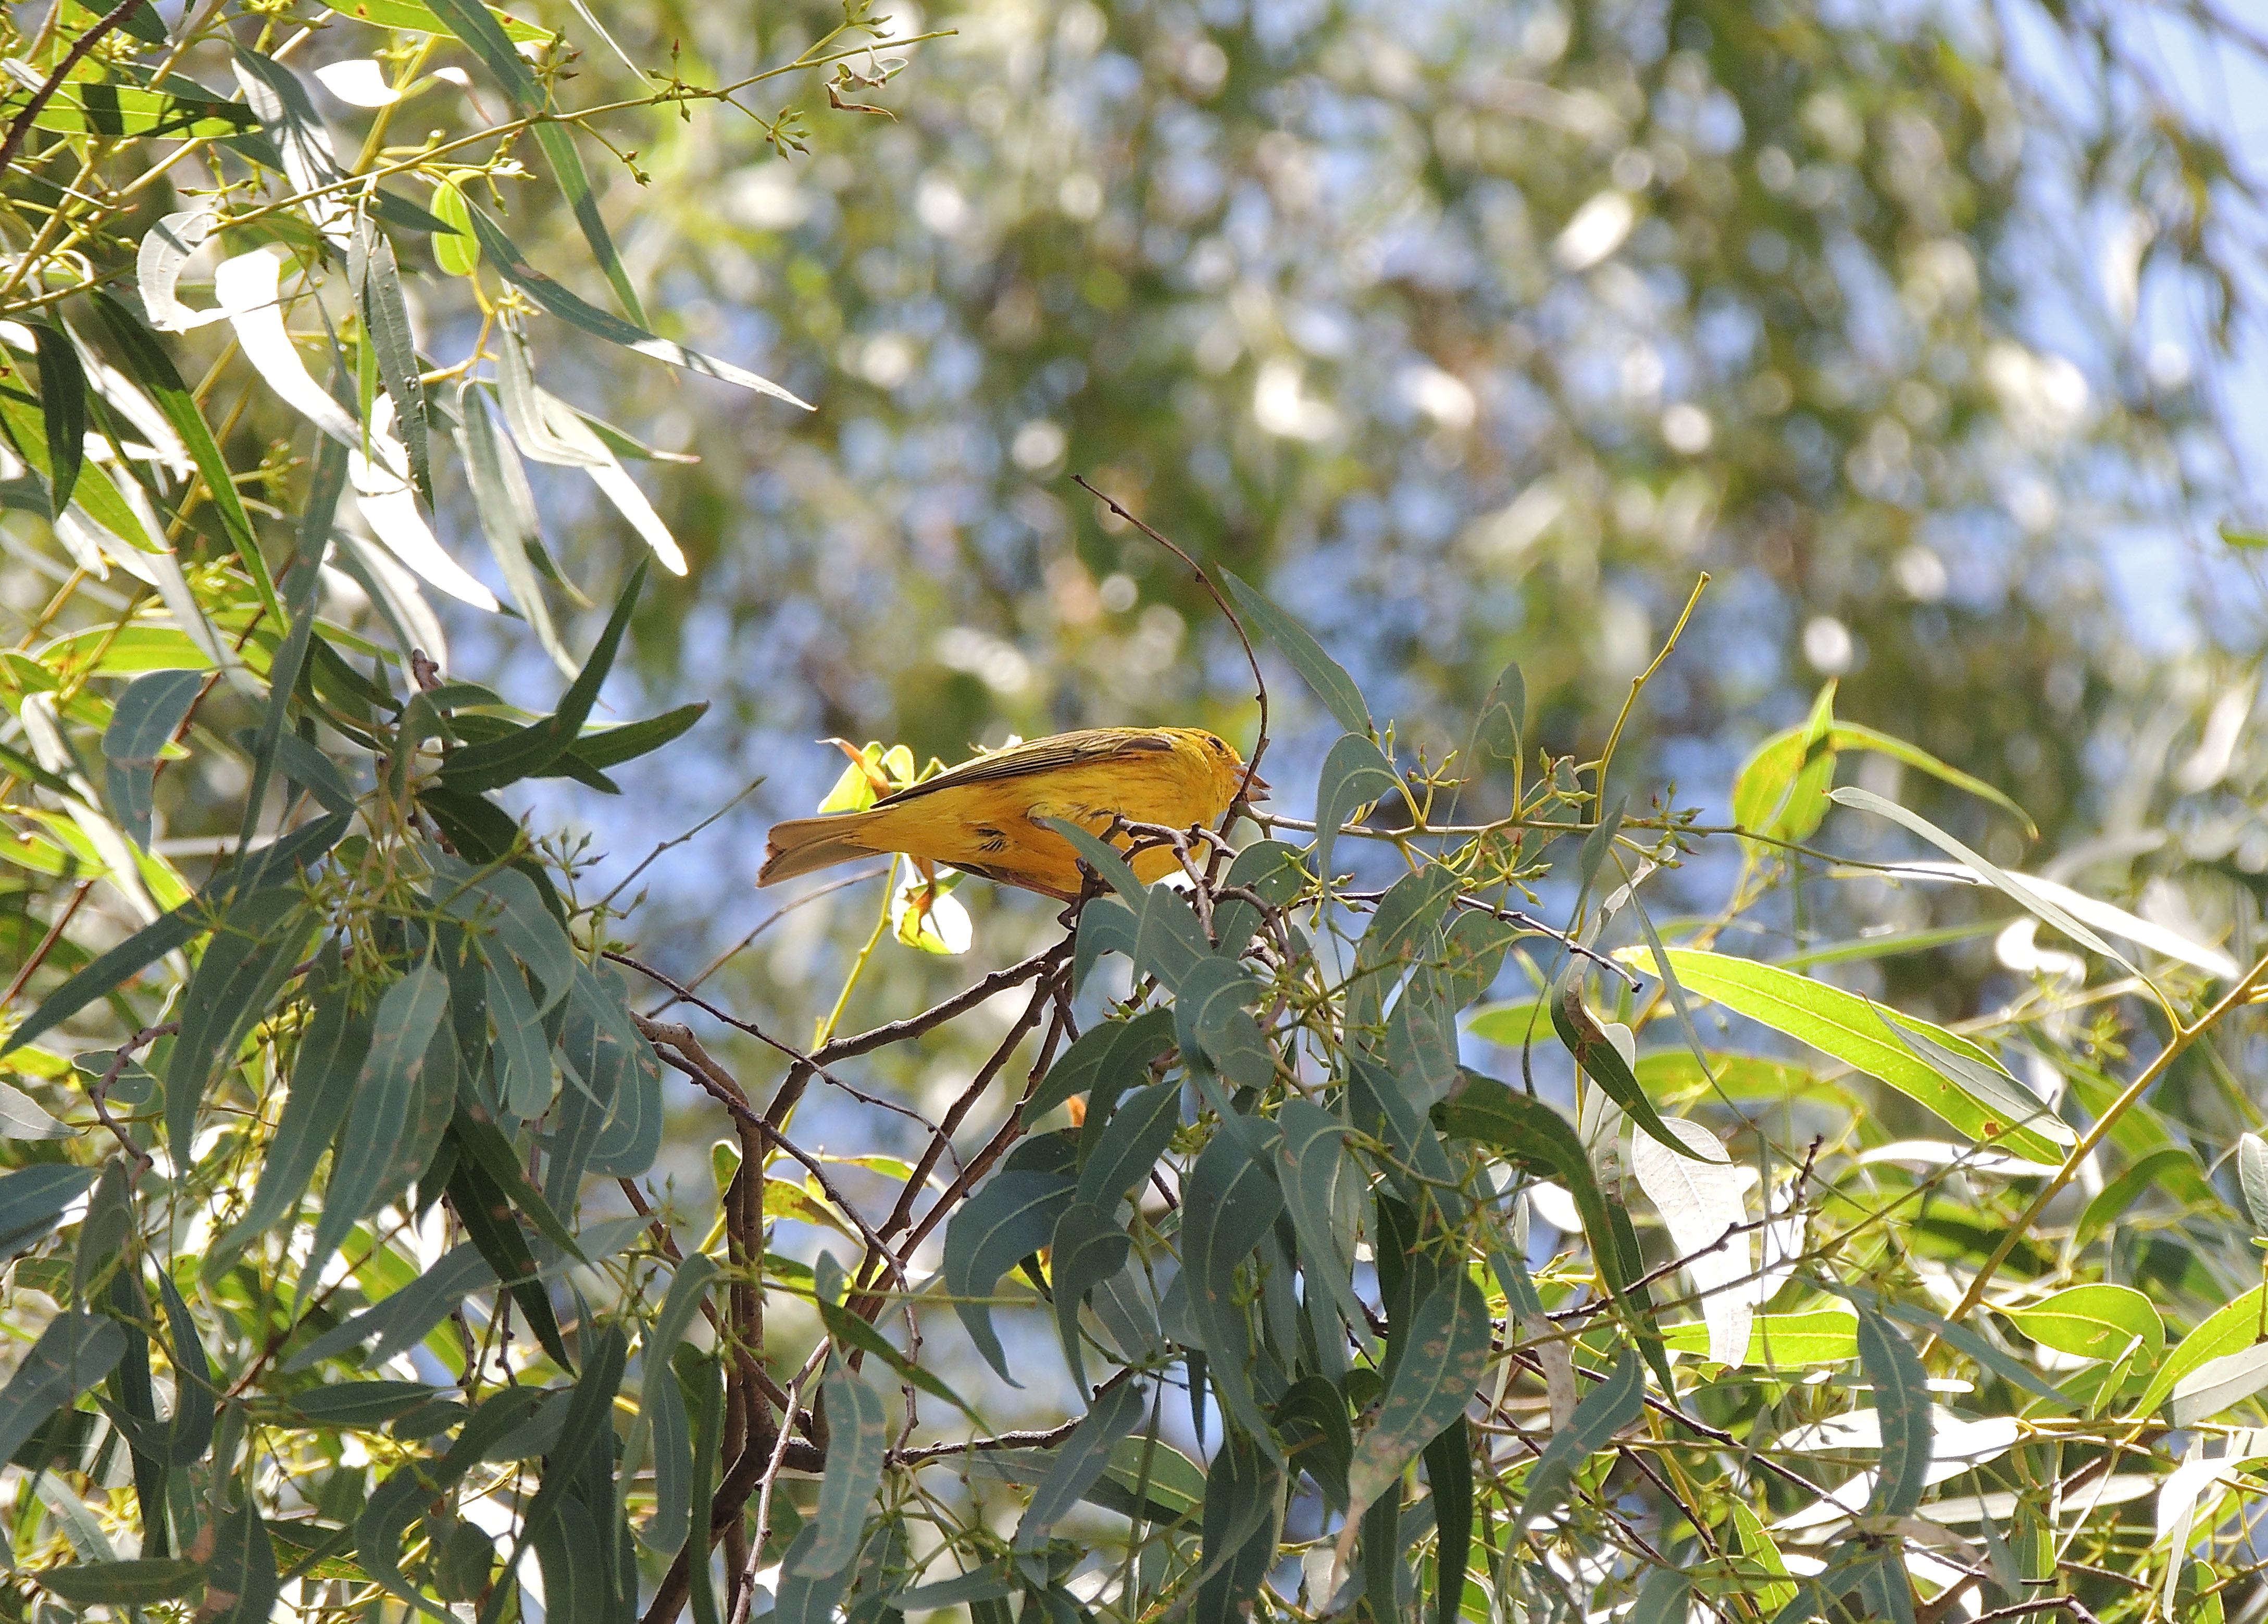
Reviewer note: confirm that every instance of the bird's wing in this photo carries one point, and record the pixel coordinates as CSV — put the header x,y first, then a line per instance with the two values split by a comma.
x,y
1040,756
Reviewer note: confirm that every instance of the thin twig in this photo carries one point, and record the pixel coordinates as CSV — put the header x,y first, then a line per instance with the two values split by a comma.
x,y
1259,682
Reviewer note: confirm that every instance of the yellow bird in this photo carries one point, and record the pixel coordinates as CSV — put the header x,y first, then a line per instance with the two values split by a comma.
x,y
983,816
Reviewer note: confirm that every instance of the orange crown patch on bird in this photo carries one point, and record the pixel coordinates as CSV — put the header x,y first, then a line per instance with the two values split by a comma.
x,y
984,816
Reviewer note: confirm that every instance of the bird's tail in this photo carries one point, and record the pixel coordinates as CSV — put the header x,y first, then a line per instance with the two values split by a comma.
x,y
804,845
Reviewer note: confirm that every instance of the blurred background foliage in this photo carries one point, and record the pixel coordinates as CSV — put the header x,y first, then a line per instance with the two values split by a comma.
x,y
1473,332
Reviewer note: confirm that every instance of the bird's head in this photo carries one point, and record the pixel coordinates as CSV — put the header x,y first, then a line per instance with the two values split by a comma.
x,y
1227,767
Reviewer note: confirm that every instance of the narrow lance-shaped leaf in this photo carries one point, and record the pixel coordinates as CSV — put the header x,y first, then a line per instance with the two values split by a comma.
x,y
1230,1201
1355,774
1088,1249
1321,672
577,312
1902,1404
148,364
2023,895
143,723
1605,1410
858,1438
385,315
1441,1362
1013,1216
75,1351
1079,1461
1604,1063
257,944
1850,1029
385,1100
1315,1169
62,397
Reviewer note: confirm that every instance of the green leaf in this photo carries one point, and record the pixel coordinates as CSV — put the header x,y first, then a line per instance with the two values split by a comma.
x,y
1243,1520
143,723
397,1323
1781,791
1449,1474
558,146
2092,1321
528,751
1012,1217
1496,730
1088,1248
2017,891
2230,1329
2170,1169
1321,1186
1605,1410
457,253
33,1199
1229,1201
1310,1418
1105,859
1603,1061
487,1215
1513,1024
858,1438
132,1583
96,495
62,397
1443,1351
804,1599
313,771
2216,1384
1665,1596
611,747
323,1075
505,904
87,108
75,1351
1850,1029
196,1394
240,1580
21,1117
366,1406
1808,1339
2252,1177
1852,735
389,1103
992,1582
1530,1134
507,512
1134,1135
615,1121
1081,1460
146,363
478,29
258,942
1902,1404
1318,670
1355,775
386,318
574,310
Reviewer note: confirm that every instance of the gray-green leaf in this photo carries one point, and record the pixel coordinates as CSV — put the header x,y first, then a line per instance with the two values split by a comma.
x,y
1441,1362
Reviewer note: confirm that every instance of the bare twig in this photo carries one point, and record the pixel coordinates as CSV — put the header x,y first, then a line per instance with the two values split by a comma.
x,y
1259,682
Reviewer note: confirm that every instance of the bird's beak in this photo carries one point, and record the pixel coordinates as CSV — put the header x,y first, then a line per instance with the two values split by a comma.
x,y
1255,787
